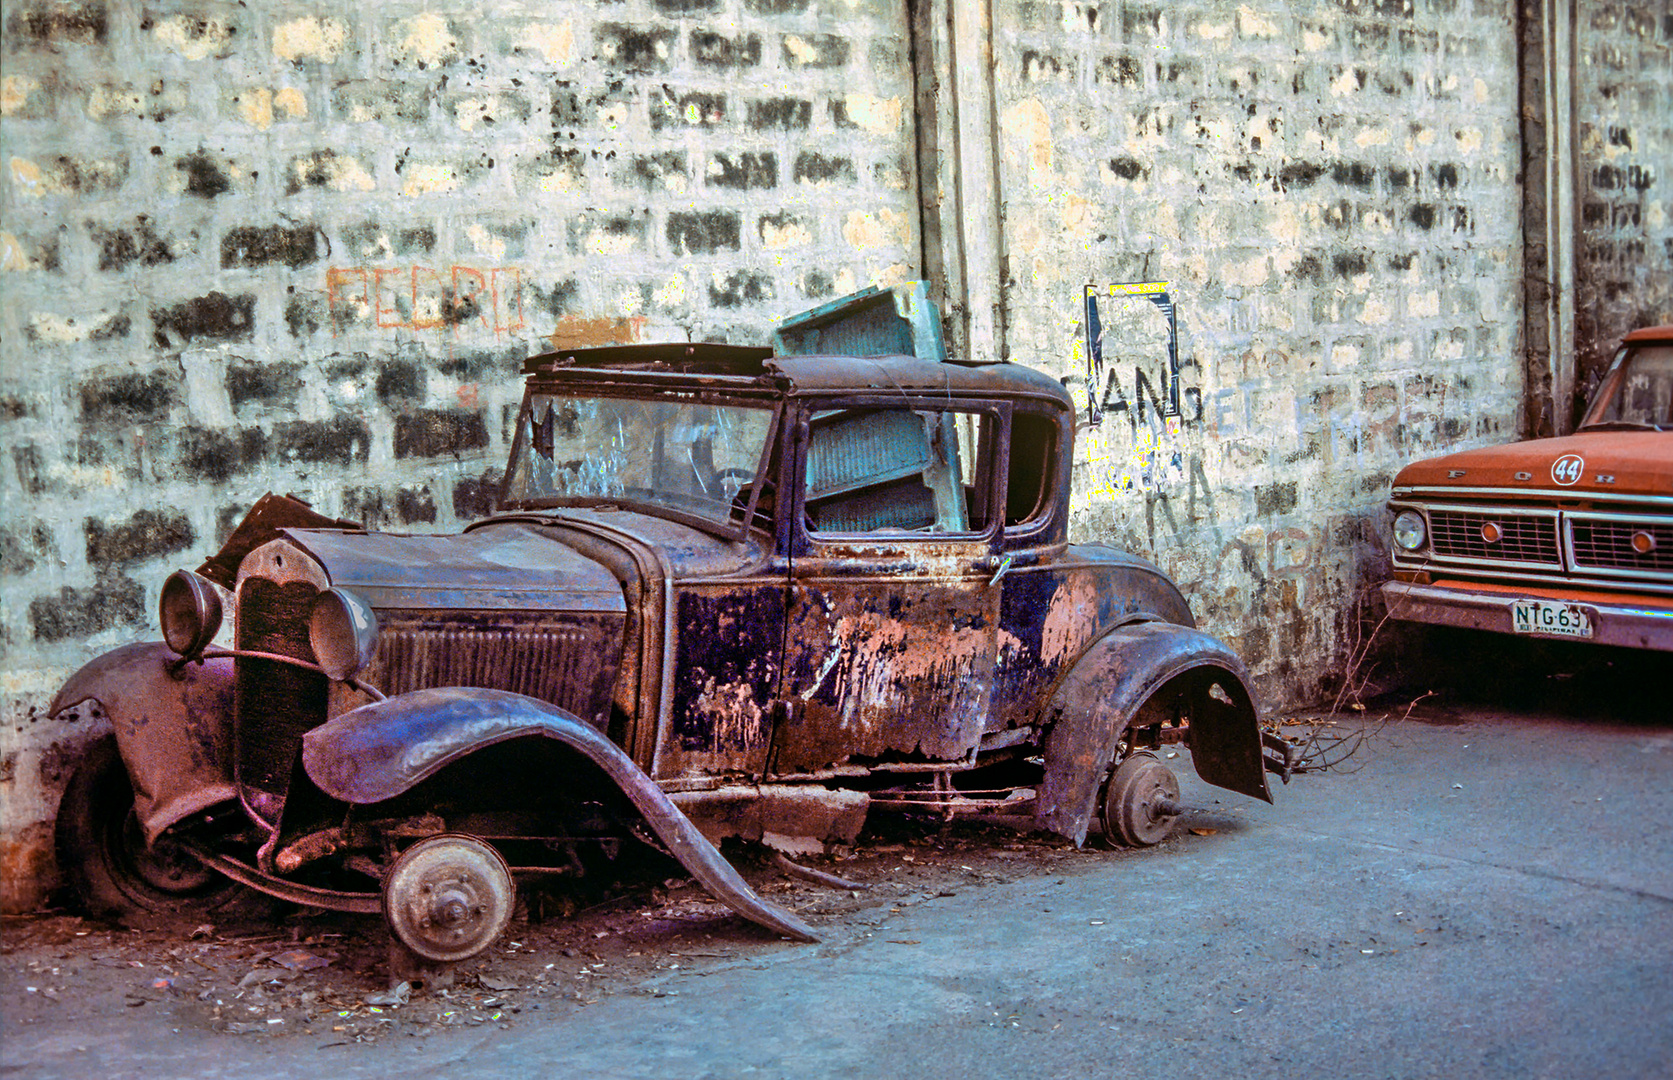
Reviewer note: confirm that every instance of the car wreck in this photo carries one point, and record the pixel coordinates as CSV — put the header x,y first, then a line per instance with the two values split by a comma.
x,y
1568,538
729,592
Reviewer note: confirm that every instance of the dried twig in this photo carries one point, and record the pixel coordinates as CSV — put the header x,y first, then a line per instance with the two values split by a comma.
x,y
1359,650
818,877
1322,753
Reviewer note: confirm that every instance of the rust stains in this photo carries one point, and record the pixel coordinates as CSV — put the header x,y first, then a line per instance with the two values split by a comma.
x,y
578,333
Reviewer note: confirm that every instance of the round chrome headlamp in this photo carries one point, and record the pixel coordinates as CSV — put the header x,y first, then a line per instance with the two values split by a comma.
x,y
1409,530
189,611
343,631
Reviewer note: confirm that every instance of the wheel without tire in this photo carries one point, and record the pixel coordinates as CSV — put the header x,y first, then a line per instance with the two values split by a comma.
x,y
448,897
104,859
1140,803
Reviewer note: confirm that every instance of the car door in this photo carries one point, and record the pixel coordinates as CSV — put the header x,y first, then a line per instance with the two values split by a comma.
x,y
892,624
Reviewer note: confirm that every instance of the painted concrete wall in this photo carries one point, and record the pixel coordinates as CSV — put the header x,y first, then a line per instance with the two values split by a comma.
x,y
279,246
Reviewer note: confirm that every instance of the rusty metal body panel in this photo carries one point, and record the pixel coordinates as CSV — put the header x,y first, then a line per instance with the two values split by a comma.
x,y
173,725
1054,609
511,566
876,670
380,750
728,646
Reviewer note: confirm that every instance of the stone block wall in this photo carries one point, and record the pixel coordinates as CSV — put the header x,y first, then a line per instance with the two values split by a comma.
x,y
1624,95
304,248
1330,190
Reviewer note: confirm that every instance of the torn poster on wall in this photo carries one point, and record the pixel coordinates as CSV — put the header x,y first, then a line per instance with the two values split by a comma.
x,y
1136,320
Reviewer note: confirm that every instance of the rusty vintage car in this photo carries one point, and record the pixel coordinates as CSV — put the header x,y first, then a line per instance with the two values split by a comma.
x,y
1566,538
729,592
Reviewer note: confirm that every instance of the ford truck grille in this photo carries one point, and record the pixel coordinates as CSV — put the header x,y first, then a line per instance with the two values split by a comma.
x,y
1521,538
1607,543
1627,548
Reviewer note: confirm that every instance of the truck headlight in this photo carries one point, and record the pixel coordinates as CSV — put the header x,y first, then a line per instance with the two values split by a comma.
x,y
343,631
189,611
1409,531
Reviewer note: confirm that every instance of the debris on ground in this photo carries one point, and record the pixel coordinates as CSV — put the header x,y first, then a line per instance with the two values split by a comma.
x,y
324,977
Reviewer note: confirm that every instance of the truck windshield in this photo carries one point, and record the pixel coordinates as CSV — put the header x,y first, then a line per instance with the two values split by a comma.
x,y
1637,392
688,455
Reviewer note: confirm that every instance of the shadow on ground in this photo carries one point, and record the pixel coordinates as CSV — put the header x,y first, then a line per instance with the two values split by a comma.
x,y
1466,671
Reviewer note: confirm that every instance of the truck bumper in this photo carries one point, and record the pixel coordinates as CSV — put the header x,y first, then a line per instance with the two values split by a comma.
x,y
1635,626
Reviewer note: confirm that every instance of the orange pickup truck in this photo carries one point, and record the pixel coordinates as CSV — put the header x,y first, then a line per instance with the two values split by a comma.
x,y
1569,537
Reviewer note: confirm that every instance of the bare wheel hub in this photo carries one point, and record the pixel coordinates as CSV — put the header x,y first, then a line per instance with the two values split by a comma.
x,y
1141,801
448,897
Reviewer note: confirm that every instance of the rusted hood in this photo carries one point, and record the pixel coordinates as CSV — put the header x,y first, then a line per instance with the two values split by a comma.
x,y
506,566
1636,463
687,551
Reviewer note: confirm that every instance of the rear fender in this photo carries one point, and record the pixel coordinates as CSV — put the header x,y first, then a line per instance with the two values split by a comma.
x,y
380,750
1111,682
173,727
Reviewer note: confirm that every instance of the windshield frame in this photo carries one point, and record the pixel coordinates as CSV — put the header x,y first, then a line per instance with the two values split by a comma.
x,y
736,524
1609,389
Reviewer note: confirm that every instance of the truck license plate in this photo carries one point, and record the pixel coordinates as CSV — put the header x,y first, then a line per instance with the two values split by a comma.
x,y
1546,617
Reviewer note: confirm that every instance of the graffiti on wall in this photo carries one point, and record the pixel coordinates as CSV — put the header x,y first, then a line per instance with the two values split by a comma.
x,y
460,298
1128,319
1132,372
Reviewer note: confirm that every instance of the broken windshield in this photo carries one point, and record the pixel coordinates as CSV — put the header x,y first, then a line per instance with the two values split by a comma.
x,y
684,454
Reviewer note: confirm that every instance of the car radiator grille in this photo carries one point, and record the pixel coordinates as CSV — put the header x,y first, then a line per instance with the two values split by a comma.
x,y
1606,544
566,659
277,703
1457,534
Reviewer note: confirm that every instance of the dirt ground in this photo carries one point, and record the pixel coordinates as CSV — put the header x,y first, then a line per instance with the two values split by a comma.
x,y
325,977
1399,915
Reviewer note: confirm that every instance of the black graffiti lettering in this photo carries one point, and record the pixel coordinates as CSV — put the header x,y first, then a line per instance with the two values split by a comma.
x,y
1151,499
1142,389
1114,399
1199,478
1191,412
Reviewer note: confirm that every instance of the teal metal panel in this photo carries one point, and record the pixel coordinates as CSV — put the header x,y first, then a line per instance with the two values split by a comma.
x,y
902,321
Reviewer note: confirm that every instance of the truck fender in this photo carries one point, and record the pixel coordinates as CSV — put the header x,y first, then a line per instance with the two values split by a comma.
x,y
1105,689
380,750
173,725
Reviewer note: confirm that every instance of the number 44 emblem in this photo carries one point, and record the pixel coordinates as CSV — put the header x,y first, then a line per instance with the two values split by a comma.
x,y
1567,469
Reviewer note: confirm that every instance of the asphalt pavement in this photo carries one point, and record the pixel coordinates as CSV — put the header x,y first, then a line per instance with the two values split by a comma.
x,y
1476,892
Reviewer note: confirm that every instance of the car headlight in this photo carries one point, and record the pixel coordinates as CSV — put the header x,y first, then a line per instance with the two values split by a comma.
x,y
189,611
343,631
1409,530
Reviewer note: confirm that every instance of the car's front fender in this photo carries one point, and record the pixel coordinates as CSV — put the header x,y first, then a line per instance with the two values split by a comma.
x,y
380,750
173,725
1105,689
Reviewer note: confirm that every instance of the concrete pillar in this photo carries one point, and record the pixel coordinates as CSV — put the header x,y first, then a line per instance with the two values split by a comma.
x,y
952,58
1549,131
